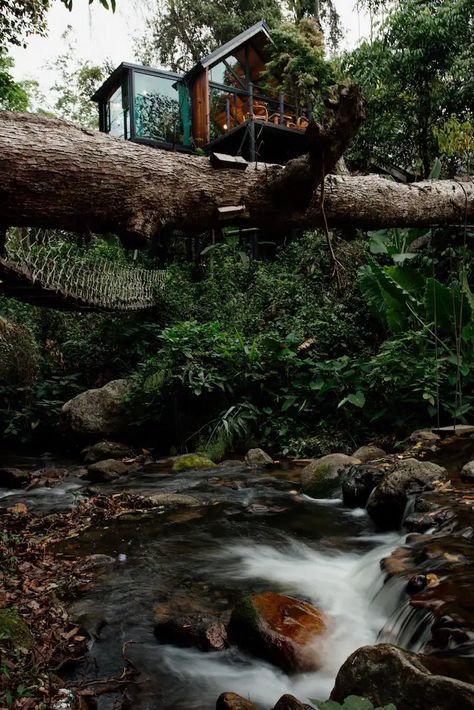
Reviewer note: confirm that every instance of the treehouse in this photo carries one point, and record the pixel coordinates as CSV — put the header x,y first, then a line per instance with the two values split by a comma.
x,y
223,104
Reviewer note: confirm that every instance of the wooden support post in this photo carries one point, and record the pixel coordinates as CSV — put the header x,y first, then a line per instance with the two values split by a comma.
x,y
281,99
227,112
253,152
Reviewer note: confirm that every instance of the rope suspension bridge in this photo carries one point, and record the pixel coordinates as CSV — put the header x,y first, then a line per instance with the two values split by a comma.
x,y
37,268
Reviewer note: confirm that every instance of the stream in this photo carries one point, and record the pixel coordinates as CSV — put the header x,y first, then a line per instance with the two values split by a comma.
x,y
252,531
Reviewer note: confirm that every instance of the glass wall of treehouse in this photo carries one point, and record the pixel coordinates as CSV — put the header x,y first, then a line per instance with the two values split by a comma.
x,y
245,116
146,106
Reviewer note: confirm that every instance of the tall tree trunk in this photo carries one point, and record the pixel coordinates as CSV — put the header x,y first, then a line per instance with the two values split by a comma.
x,y
55,175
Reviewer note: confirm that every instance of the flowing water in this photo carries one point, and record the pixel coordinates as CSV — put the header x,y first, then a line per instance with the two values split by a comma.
x,y
252,532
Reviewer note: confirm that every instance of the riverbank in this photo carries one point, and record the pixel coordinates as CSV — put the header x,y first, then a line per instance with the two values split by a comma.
x,y
192,544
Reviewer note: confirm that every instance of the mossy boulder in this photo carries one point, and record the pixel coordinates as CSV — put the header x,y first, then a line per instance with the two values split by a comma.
x,y
14,629
280,629
387,502
386,674
191,461
322,475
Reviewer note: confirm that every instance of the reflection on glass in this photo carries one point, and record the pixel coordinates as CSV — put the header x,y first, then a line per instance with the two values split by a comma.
x,y
116,117
157,114
227,110
229,72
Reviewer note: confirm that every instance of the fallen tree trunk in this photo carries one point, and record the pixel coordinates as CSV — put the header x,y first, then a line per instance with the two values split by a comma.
x,y
56,175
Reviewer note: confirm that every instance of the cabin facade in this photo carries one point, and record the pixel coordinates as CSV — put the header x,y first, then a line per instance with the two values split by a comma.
x,y
220,105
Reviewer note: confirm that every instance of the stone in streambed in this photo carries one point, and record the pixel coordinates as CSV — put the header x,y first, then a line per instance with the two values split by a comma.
x,y
106,471
279,629
257,458
467,472
206,633
105,450
289,702
191,461
386,674
98,412
358,483
173,500
365,454
323,474
387,502
232,701
13,478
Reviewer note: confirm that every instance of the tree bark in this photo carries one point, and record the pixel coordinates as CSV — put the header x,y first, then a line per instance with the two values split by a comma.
x,y
56,175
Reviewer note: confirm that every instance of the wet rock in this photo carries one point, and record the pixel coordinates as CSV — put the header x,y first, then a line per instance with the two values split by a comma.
x,y
257,458
289,702
232,701
171,500
105,471
387,502
416,583
467,472
279,629
369,453
418,522
98,412
191,461
385,674
203,632
94,563
231,463
13,478
358,483
323,474
424,437
105,450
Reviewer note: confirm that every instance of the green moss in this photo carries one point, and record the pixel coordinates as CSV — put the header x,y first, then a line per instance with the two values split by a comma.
x,y
190,461
14,629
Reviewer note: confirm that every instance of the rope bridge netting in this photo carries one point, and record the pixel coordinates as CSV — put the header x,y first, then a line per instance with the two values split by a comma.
x,y
48,262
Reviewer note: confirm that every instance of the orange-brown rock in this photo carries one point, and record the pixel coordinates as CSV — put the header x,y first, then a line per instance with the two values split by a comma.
x,y
280,629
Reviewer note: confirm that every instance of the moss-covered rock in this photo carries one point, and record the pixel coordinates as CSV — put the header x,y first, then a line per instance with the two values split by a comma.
x,y
191,461
14,629
279,629
320,476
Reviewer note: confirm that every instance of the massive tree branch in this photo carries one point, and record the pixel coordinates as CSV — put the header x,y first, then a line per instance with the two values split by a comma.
x,y
55,175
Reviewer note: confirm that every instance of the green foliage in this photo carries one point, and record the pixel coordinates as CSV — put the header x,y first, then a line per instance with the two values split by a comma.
x,y
182,32
297,63
417,72
13,95
77,81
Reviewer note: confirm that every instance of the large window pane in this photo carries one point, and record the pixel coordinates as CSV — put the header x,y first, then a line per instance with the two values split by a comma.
x,y
116,118
229,72
157,114
227,110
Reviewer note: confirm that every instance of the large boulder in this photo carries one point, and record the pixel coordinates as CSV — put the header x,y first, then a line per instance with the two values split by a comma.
x,y
358,483
106,471
387,502
319,476
279,629
369,453
105,450
257,458
385,674
98,412
467,472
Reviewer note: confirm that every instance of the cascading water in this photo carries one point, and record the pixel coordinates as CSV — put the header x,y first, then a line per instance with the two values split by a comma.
x,y
253,534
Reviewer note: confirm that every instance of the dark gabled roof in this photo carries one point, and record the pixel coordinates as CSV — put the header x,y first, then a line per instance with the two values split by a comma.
x,y
113,81
260,27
